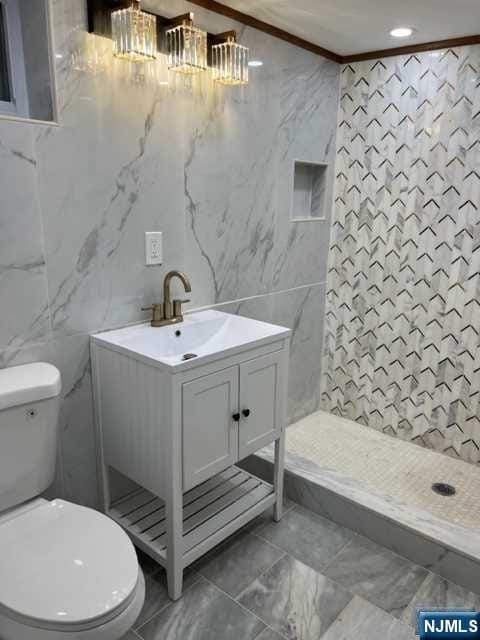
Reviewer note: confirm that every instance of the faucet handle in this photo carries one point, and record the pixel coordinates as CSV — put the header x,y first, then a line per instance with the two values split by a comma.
x,y
177,308
157,315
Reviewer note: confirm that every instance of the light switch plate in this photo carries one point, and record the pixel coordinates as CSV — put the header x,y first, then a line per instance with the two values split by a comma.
x,y
153,247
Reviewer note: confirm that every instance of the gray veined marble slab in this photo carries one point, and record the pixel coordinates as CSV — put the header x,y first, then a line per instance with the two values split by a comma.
x,y
203,613
25,317
361,620
295,600
308,537
378,575
235,565
438,593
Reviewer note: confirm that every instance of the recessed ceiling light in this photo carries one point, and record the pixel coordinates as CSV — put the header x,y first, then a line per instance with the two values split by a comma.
x,y
255,63
401,32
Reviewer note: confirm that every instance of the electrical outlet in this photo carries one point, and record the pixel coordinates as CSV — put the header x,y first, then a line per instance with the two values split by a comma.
x,y
153,247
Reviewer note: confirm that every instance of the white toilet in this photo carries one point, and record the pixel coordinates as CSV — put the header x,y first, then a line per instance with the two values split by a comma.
x,y
65,571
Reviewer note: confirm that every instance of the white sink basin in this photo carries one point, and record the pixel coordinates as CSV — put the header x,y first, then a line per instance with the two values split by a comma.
x,y
205,336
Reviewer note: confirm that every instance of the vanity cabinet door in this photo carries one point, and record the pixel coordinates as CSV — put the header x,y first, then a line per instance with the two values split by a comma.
x,y
210,426
261,402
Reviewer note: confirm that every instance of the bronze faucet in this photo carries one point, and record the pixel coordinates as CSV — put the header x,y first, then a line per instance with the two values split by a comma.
x,y
168,312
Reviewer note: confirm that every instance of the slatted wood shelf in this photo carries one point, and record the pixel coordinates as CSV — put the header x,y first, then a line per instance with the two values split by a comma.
x,y
211,512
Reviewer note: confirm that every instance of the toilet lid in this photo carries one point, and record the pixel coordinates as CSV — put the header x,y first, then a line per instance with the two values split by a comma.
x,y
62,564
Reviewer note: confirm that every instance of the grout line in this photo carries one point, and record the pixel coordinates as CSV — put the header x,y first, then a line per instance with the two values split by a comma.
x,y
329,564
427,577
169,603
286,555
354,534
272,544
258,535
53,338
257,296
282,557
246,609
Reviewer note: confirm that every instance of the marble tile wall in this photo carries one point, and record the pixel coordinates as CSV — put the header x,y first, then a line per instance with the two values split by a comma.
x,y
402,339
211,168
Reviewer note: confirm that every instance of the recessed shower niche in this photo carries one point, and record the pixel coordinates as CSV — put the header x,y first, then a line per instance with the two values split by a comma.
x,y
309,190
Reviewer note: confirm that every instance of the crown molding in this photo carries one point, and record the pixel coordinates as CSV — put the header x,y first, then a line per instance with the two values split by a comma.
x,y
239,16
250,21
413,48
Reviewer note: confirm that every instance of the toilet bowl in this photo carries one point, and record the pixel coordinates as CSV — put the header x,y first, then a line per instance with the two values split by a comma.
x,y
66,571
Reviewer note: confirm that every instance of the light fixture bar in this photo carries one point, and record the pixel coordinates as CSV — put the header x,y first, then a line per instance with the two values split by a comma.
x,y
139,34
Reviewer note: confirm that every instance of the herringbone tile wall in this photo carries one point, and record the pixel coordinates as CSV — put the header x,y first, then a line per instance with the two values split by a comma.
x,y
402,342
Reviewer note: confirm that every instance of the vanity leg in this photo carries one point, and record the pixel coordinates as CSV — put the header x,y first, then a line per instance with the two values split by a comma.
x,y
174,514
278,477
174,499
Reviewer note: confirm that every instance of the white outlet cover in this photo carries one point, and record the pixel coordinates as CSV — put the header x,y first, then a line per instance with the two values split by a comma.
x,y
153,247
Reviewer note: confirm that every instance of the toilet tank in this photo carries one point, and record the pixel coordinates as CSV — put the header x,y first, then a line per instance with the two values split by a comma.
x,y
29,406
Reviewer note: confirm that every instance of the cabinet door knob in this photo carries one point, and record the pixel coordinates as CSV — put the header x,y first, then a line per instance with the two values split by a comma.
x,y
246,412
236,417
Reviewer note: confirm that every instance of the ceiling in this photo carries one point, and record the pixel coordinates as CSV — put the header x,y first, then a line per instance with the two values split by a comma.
x,y
348,27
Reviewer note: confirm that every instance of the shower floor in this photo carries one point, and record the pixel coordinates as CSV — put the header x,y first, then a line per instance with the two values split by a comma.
x,y
388,465
333,462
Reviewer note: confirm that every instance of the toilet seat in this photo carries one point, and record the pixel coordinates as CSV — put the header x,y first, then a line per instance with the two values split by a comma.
x,y
65,568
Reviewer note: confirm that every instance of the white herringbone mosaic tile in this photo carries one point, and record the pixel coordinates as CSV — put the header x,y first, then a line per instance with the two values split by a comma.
x,y
402,336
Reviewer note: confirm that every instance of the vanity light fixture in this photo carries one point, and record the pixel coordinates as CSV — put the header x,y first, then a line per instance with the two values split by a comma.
x,y
187,47
230,60
139,35
134,33
401,32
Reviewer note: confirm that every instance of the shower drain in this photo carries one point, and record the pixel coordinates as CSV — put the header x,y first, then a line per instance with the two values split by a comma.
x,y
443,489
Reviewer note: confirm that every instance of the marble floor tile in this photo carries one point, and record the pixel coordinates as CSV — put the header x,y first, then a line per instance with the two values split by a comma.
x,y
438,593
236,564
361,620
156,593
307,537
295,600
378,575
203,613
269,634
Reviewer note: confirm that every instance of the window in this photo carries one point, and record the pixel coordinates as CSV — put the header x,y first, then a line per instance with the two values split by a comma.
x,y
4,75
26,74
13,91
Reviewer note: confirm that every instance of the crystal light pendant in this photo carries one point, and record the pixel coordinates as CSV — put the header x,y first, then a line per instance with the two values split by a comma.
x,y
134,33
187,48
230,62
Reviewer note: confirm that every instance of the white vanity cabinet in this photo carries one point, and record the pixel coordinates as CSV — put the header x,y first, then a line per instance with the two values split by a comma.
x,y
230,414
178,427
209,431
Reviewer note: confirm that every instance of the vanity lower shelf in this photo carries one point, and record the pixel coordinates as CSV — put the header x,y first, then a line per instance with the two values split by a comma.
x,y
212,511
